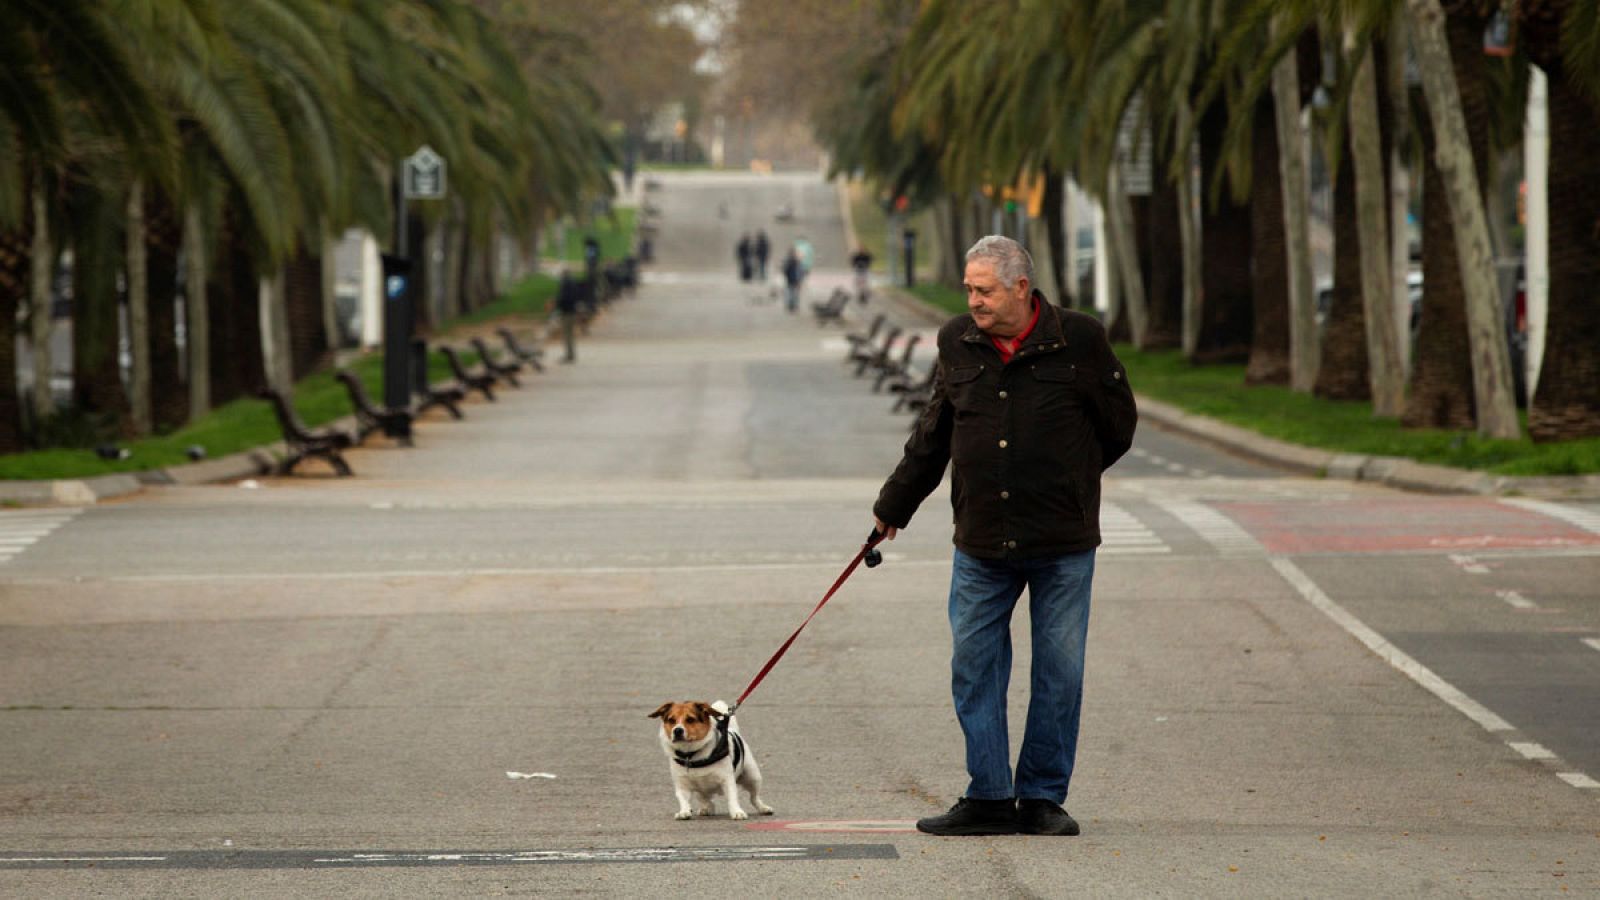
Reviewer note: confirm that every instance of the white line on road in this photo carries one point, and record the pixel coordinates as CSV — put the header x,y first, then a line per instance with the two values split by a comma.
x,y
1388,652
1592,642
1586,519
1578,780
1515,600
1531,750
1217,529
1469,564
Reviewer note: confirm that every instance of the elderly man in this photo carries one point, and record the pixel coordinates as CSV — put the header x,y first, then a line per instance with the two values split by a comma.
x,y
1031,406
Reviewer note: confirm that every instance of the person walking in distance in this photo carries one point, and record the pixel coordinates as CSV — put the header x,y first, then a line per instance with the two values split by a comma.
x,y
1029,406
763,250
793,277
569,303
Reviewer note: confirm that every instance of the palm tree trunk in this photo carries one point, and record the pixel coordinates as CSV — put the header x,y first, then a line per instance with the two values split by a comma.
x,y
301,290
1566,402
1296,191
233,299
1269,272
168,400
197,317
1372,213
1124,247
40,282
1225,306
1163,230
1491,370
96,310
1191,241
14,264
277,356
1055,235
138,276
1342,374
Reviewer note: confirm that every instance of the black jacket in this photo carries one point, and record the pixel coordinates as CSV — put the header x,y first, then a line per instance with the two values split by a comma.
x,y
1028,439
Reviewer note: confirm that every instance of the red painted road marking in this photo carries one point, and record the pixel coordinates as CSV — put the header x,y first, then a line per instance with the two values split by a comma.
x,y
1404,524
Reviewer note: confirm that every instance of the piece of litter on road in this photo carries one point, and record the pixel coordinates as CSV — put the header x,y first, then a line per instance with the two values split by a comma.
x,y
516,775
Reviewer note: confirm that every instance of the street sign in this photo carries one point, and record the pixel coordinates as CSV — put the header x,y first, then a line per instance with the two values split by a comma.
x,y
423,175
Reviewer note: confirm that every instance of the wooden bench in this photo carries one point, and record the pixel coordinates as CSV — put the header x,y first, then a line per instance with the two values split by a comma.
x,y
369,416
913,394
832,309
866,357
303,442
448,396
482,382
862,339
530,355
508,370
896,368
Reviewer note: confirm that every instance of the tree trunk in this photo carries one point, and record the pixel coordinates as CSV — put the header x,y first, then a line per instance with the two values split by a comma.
x,y
14,265
1056,237
303,308
1191,241
1491,369
329,288
1269,272
1225,305
196,313
277,354
1372,214
234,300
1124,247
1295,188
1566,402
1441,393
1162,231
96,328
138,280
42,265
169,406
1342,374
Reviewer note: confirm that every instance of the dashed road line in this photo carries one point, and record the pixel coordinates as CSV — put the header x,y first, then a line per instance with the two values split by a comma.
x,y
1515,600
1469,564
1531,750
1579,780
1588,520
1592,643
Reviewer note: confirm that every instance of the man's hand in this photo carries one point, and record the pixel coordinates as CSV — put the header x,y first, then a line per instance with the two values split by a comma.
x,y
887,532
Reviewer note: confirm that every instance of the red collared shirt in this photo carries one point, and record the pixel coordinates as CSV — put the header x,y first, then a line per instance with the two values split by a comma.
x,y
1008,348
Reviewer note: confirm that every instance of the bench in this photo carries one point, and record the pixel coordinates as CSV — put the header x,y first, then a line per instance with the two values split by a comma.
x,y
508,371
448,396
858,340
303,442
482,382
832,309
914,395
371,417
530,355
866,357
896,368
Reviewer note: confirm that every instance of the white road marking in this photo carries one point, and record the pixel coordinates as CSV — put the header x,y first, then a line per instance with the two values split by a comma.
x,y
1217,529
1578,780
1592,642
1587,519
1531,750
1516,600
21,529
1124,534
1469,564
1388,652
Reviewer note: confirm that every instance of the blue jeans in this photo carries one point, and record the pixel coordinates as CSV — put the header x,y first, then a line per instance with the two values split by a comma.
x,y
983,594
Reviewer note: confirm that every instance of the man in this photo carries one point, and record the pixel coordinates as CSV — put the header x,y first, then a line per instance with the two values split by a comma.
x,y
861,264
569,303
1032,406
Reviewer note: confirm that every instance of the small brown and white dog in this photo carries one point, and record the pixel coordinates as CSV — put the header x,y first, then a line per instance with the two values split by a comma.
x,y
708,758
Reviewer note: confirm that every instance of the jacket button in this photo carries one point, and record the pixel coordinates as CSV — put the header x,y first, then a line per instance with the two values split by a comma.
x,y
1005,495
1002,444
1011,545
1002,395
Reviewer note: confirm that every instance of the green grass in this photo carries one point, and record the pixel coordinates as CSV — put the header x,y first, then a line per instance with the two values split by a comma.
x,y
1219,392
615,234
248,422
942,297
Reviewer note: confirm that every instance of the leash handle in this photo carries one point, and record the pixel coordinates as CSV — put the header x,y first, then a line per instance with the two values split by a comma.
x,y
873,539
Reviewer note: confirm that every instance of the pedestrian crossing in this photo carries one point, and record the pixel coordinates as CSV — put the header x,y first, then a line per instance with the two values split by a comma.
x,y
1124,534
1216,529
21,529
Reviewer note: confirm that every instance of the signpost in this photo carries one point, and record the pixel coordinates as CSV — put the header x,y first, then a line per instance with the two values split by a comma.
x,y
423,176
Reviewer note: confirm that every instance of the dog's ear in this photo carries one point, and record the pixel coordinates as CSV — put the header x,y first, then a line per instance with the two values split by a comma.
x,y
709,711
660,711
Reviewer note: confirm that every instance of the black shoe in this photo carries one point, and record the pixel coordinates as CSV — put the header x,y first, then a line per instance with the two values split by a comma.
x,y
1044,817
970,816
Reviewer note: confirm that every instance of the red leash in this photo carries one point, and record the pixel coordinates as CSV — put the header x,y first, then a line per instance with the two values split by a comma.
x,y
872,558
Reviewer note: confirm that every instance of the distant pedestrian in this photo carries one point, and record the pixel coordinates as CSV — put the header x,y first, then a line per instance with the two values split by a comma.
x,y
745,252
861,264
1032,406
807,254
763,250
793,277
569,306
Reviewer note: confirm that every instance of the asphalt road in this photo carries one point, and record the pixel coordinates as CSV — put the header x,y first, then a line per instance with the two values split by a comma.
x,y
433,678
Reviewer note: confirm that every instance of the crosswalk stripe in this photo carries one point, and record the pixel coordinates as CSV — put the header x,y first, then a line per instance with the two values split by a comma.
x,y
1215,528
1122,533
21,529
1586,519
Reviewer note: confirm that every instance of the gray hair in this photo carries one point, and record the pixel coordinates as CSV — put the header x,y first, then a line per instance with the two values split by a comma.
x,y
1008,257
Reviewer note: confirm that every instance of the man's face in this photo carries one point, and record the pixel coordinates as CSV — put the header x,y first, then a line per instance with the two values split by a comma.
x,y
1000,311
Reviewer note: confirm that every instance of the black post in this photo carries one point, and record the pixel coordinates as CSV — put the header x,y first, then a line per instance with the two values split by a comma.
x,y
909,237
398,320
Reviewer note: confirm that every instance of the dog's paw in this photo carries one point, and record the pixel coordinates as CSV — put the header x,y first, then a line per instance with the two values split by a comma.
x,y
683,814
738,815
764,809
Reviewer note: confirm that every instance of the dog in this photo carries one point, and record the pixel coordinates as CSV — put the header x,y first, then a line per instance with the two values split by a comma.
x,y
708,756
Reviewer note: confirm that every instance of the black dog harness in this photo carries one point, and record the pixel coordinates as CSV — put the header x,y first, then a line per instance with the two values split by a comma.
x,y
727,742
